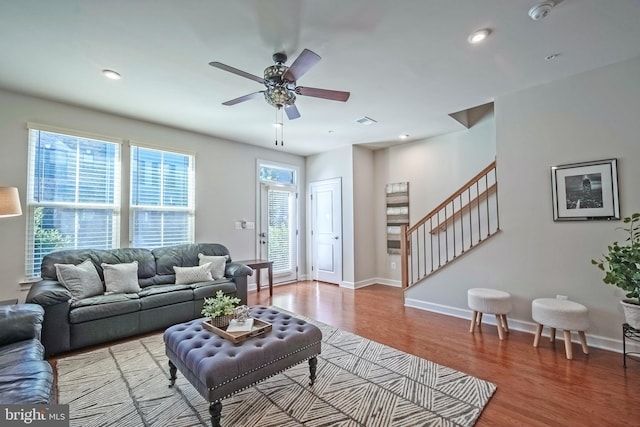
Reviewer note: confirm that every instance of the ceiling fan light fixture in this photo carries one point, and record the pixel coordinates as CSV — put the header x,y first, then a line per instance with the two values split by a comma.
x,y
479,36
279,96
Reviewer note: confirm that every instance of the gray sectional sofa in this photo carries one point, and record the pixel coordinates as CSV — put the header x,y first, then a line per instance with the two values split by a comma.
x,y
72,322
25,377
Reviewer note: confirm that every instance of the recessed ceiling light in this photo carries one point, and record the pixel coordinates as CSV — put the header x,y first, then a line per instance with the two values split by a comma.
x,y
478,36
110,74
277,125
404,136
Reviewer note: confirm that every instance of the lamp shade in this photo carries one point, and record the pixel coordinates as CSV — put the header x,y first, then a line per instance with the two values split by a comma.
x,y
9,202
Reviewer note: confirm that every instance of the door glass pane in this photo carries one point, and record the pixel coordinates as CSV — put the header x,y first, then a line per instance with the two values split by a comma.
x,y
279,213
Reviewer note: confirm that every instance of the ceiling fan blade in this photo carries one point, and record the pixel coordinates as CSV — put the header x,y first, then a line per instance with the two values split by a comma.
x,y
233,70
242,98
292,112
334,95
301,65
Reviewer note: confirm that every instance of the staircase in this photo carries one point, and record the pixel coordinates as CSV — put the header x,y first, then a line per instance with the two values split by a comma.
x,y
466,219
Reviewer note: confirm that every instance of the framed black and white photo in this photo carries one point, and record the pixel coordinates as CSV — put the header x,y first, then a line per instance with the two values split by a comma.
x,y
585,191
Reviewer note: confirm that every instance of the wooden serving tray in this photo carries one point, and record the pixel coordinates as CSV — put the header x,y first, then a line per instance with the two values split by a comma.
x,y
259,328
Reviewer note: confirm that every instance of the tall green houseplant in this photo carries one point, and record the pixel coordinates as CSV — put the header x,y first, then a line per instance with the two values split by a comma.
x,y
621,266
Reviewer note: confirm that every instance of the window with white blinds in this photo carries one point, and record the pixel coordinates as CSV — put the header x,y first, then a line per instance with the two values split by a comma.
x,y
162,198
280,235
73,198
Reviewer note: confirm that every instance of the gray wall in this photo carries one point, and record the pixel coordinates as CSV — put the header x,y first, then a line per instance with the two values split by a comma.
x,y
225,176
337,163
590,116
435,168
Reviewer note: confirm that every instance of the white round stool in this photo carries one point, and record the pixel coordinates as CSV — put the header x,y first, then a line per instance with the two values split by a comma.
x,y
561,314
491,301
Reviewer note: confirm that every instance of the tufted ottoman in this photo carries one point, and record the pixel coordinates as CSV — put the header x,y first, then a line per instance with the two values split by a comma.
x,y
492,301
560,314
218,368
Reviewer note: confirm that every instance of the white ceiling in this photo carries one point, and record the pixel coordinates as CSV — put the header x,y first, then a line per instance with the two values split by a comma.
x,y
407,63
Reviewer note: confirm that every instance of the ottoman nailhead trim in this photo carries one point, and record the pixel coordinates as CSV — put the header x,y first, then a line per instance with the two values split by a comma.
x,y
265,365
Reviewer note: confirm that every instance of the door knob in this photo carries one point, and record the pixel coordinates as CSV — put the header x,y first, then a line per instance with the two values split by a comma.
x,y
336,238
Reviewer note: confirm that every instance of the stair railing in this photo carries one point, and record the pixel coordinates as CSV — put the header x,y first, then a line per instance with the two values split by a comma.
x,y
466,219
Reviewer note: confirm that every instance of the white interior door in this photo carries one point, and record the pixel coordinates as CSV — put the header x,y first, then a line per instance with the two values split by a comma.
x,y
278,234
326,230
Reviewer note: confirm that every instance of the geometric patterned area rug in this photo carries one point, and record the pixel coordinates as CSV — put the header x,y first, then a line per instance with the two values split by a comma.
x,y
359,383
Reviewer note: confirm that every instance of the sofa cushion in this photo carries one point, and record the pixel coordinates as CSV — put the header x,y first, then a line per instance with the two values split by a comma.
x,y
186,275
27,383
182,256
146,261
121,278
165,298
21,351
82,280
102,307
209,289
217,264
161,289
20,322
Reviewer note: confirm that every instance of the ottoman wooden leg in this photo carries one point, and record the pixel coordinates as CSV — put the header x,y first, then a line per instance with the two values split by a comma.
x,y
479,322
474,316
313,363
567,345
536,340
552,335
583,341
173,373
215,409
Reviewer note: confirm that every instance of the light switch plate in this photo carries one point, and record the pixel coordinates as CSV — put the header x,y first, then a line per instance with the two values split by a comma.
x,y
251,225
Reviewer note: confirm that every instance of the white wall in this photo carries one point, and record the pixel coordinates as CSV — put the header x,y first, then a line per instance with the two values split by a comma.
x,y
364,195
338,163
590,116
225,176
435,168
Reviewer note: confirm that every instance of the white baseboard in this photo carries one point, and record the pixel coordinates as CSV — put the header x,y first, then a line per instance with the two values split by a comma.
x,y
369,282
596,341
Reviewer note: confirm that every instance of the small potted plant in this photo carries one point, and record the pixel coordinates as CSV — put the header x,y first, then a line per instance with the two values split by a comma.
x,y
220,309
621,265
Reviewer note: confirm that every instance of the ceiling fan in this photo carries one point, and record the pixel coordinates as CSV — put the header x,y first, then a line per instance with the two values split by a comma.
x,y
280,83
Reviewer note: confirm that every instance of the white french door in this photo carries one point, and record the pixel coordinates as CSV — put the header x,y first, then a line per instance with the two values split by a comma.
x,y
278,233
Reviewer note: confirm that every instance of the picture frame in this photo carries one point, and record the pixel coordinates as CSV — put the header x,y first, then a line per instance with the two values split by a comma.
x,y
585,191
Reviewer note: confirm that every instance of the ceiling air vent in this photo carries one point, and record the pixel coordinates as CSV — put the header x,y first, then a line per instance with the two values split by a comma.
x,y
366,121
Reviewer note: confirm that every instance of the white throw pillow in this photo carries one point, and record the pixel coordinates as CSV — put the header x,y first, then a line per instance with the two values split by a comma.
x,y
81,280
218,264
187,275
121,278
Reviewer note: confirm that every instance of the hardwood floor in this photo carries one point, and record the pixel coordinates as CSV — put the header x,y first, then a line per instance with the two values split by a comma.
x,y
535,387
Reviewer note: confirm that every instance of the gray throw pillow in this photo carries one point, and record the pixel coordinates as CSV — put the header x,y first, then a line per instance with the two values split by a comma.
x,y
188,275
218,264
121,278
81,280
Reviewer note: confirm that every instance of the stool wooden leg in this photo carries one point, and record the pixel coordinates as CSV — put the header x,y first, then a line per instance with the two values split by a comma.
x,y
552,336
473,321
583,341
505,325
479,318
536,340
500,328
567,345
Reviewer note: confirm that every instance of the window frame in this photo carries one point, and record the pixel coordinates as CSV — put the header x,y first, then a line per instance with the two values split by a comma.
x,y
135,208
33,202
